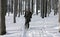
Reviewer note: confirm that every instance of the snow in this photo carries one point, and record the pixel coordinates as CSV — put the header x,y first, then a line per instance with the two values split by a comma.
x,y
47,27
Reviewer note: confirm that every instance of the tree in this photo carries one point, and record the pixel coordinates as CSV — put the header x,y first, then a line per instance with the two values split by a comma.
x,y
48,7
53,4
42,8
59,14
11,6
31,6
3,9
37,6
23,6
55,7
8,6
15,10
27,5
45,8
20,8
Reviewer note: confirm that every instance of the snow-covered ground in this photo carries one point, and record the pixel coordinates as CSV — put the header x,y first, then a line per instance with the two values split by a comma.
x,y
47,27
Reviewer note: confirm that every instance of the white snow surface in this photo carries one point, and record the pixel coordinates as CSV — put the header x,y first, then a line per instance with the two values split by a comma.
x,y
47,27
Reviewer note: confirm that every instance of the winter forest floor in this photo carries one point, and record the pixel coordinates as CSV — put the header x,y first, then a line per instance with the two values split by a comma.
x,y
47,27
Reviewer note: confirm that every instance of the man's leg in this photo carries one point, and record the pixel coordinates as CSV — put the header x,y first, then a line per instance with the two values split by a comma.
x,y
26,24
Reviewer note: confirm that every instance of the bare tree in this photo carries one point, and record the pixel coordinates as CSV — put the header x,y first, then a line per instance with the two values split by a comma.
x,y
53,4
20,8
45,8
8,6
11,6
3,9
15,9
32,5
37,6
27,5
55,7
48,7
59,14
42,8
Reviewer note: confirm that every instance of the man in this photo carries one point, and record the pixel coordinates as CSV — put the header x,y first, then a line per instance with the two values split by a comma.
x,y
28,16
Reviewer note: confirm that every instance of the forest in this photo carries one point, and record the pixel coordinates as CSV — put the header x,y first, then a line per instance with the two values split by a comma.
x,y
27,10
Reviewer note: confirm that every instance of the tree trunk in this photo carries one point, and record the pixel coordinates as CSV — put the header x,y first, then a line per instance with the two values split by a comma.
x,y
15,9
45,8
11,6
42,8
55,7
3,9
8,6
53,4
38,4
20,8
23,6
31,6
59,14
49,6
37,7
28,4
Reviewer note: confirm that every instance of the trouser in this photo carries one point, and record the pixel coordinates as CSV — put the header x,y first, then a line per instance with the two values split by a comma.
x,y
27,23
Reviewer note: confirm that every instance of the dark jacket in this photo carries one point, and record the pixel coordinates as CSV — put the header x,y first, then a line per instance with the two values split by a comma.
x,y
28,14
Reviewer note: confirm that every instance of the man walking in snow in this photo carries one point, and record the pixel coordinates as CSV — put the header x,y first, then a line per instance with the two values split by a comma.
x,y
28,16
